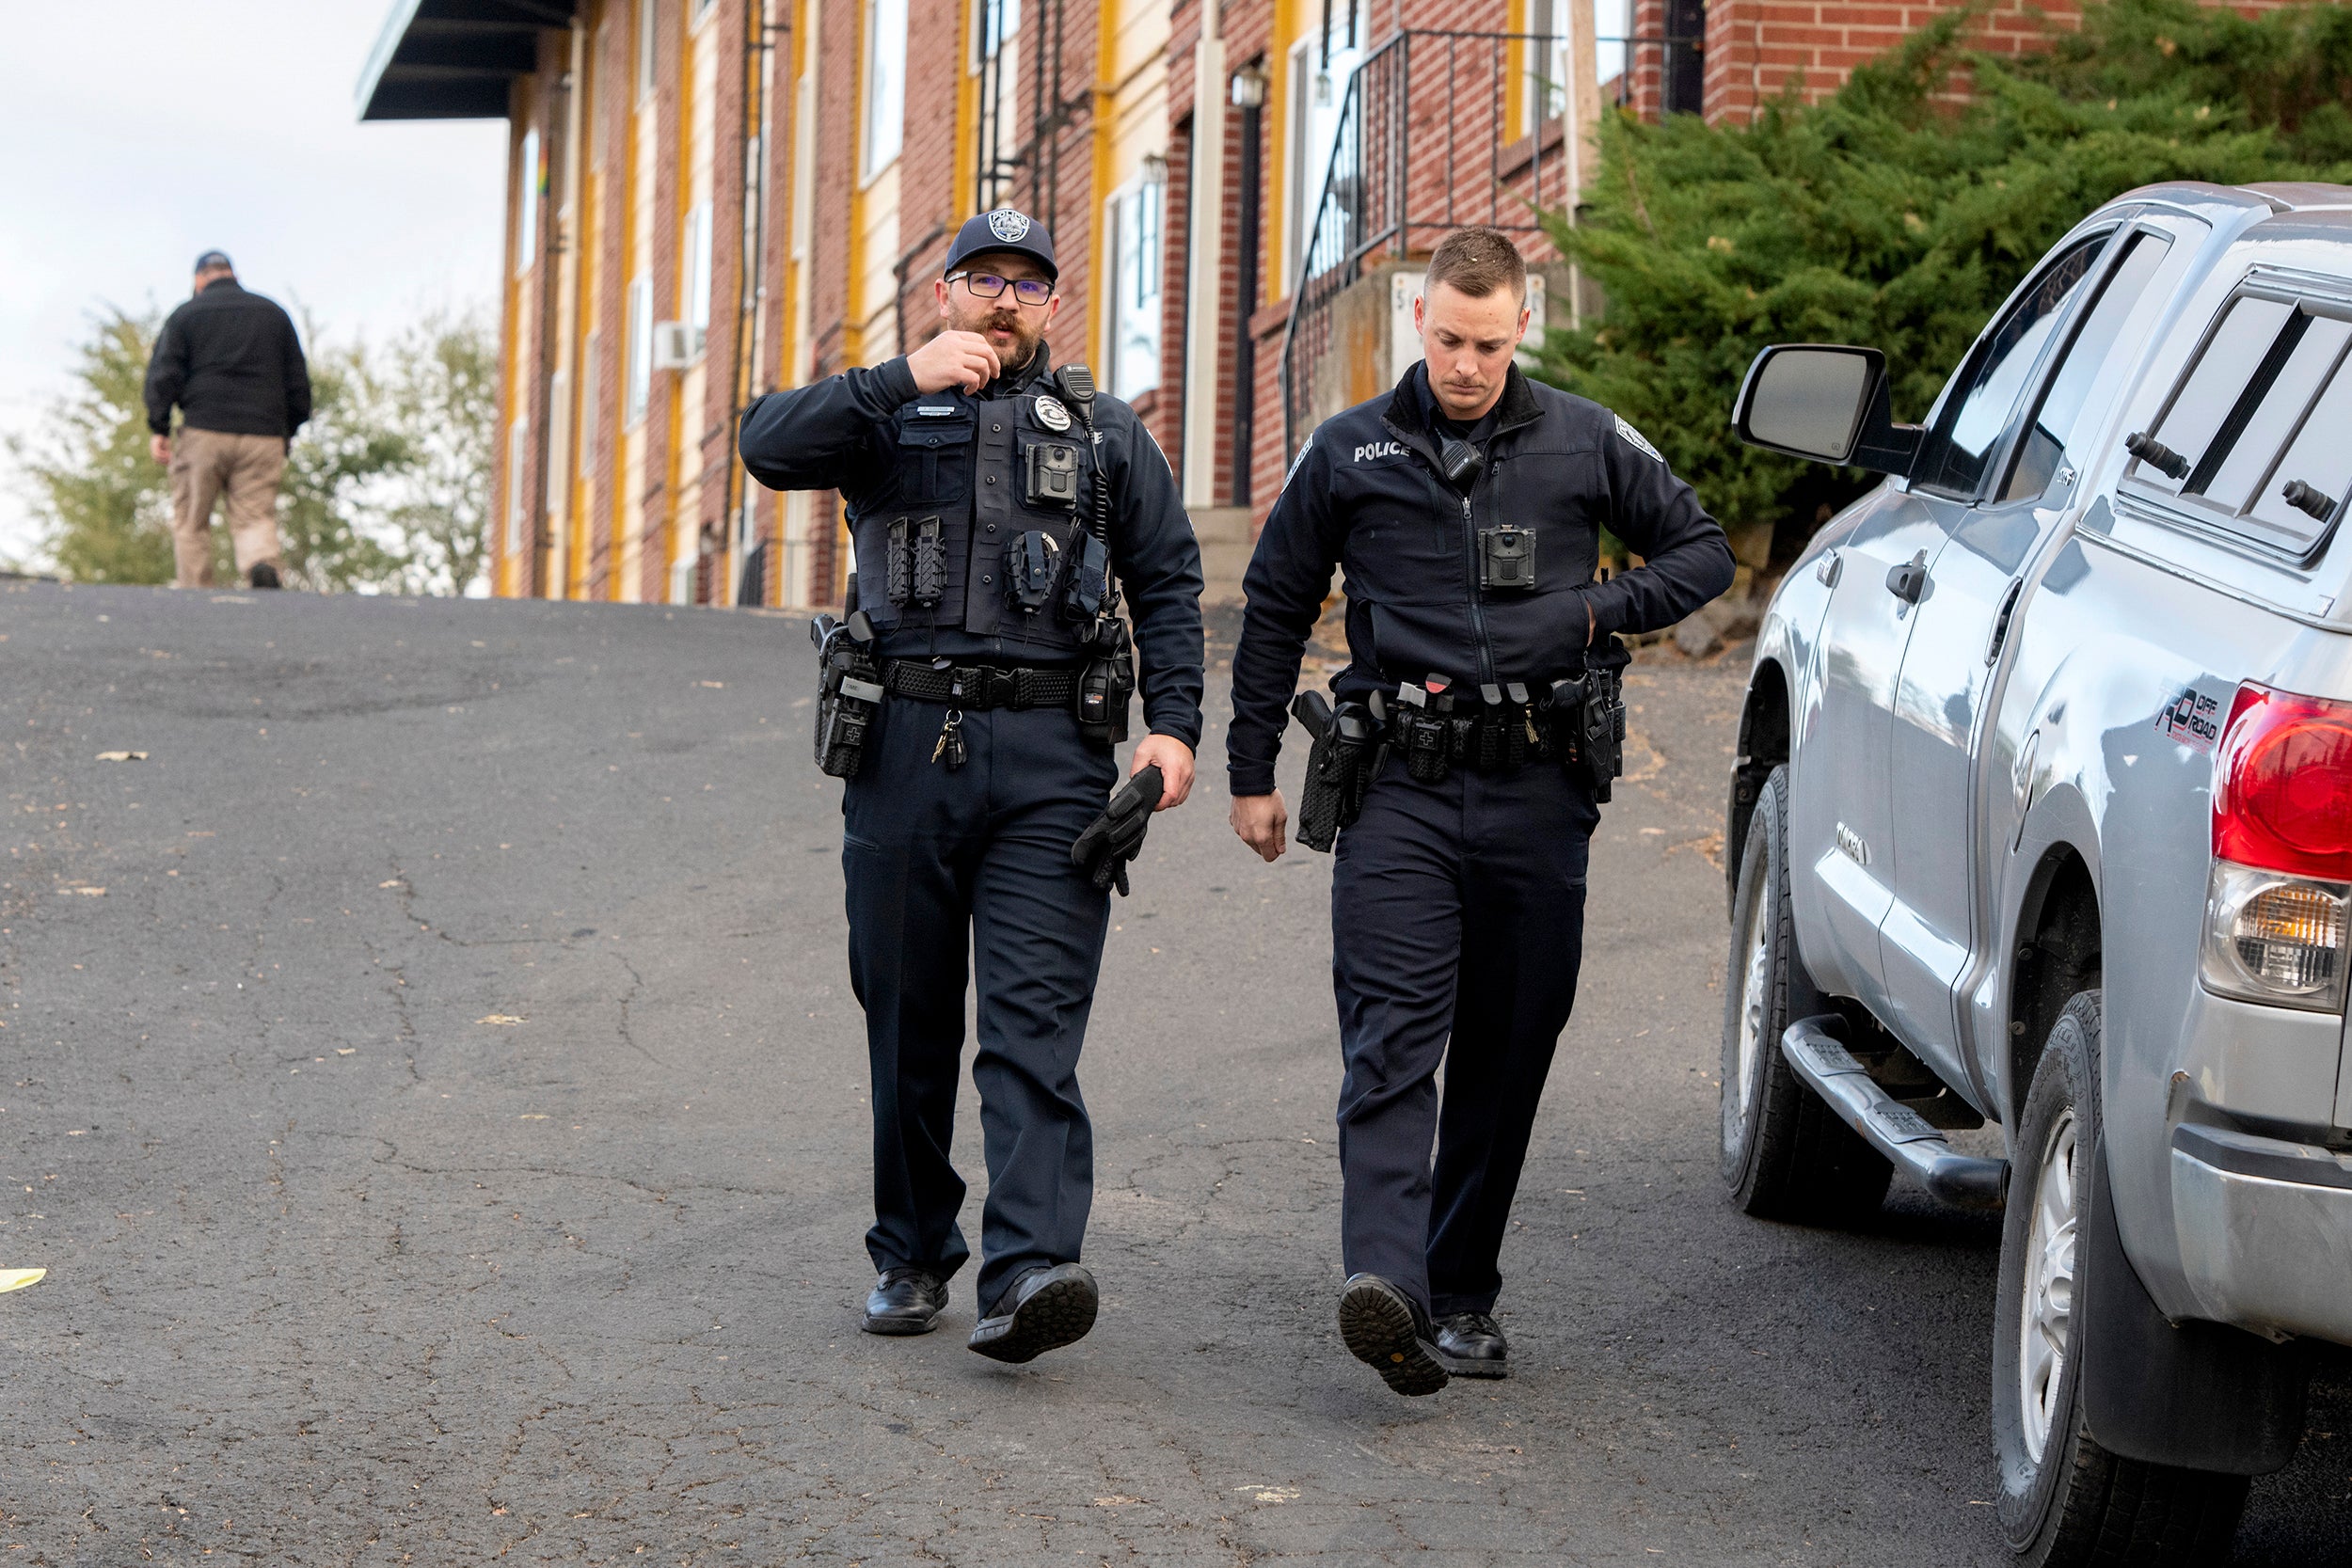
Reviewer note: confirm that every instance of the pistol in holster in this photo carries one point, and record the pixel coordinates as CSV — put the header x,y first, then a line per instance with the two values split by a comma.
x,y
1588,719
1345,757
848,691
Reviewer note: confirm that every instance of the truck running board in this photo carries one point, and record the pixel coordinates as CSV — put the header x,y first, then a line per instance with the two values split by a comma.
x,y
1893,1128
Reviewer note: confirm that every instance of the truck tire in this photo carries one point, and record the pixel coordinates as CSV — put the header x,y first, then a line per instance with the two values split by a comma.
x,y
2065,1501
1786,1154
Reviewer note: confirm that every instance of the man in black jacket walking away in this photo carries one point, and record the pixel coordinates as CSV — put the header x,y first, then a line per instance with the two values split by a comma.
x,y
232,364
1477,733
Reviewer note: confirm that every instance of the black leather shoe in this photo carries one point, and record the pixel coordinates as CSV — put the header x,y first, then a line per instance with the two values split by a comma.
x,y
1386,1330
1043,1309
1472,1345
264,575
905,1301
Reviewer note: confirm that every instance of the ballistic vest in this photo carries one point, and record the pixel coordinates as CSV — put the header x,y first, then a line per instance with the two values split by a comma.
x,y
972,475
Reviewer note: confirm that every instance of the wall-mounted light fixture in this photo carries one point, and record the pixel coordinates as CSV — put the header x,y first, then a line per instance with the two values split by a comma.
x,y
1250,85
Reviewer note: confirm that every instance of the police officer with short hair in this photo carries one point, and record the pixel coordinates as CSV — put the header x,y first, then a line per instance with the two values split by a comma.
x,y
1475,731
1000,510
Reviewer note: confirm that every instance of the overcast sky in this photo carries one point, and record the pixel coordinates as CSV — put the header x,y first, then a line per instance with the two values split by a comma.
x,y
136,133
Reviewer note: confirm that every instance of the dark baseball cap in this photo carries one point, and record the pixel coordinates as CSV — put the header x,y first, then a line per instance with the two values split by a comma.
x,y
214,259
1003,228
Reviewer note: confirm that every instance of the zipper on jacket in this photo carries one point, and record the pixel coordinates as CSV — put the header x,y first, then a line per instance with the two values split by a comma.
x,y
1477,596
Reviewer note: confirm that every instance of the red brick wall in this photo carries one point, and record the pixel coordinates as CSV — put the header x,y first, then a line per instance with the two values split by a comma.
x,y
606,315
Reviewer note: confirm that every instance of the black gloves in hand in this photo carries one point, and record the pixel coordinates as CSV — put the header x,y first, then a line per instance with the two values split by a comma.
x,y
1116,837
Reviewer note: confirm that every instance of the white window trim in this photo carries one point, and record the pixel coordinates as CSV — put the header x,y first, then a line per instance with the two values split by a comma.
x,y
636,388
527,205
1114,208
646,69
879,34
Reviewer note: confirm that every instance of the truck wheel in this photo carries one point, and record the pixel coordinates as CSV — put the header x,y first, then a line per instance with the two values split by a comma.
x,y
1785,1153
2064,1501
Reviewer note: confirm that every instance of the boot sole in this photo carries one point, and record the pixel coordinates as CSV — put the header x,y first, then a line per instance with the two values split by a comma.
x,y
1060,1312
1378,1327
1459,1368
901,1328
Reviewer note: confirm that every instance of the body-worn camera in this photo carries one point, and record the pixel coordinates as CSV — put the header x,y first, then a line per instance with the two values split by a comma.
x,y
849,693
1507,558
1053,474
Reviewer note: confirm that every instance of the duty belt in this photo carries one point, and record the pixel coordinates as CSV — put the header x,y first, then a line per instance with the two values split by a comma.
x,y
1463,730
981,687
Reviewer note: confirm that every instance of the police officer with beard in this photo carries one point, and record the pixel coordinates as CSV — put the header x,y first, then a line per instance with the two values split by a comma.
x,y
1475,731
1000,510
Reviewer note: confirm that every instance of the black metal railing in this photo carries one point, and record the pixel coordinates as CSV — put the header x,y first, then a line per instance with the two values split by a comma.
x,y
1422,147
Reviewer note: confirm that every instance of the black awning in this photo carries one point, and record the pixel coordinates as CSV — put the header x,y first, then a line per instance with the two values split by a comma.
x,y
455,60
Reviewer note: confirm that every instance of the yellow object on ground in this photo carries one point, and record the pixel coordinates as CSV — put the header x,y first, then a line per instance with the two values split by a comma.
x,y
16,1279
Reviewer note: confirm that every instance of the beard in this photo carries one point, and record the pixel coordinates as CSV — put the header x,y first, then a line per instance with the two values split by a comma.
x,y
1010,331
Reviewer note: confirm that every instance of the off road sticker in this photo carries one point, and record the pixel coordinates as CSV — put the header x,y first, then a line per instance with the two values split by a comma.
x,y
2192,718
1632,436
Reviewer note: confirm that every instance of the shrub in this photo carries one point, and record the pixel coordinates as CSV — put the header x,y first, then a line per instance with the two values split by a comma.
x,y
1896,216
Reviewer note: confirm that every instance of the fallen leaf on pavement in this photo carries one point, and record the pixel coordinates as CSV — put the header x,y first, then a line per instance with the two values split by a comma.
x,y
394,882
122,756
715,685
532,1116
90,892
16,1279
345,1049
499,1017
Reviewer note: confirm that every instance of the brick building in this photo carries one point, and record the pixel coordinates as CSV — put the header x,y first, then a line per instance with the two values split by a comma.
x,y
713,199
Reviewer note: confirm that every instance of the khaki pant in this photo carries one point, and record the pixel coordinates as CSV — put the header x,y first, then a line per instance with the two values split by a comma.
x,y
207,464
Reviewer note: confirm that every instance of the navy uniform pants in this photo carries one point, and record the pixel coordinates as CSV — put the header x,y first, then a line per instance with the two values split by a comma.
x,y
941,864
1458,921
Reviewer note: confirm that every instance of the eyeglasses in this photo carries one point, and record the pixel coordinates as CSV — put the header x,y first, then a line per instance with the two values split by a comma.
x,y
1029,290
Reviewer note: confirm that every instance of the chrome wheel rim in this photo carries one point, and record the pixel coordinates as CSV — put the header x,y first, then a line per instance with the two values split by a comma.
x,y
1756,1003
2045,1326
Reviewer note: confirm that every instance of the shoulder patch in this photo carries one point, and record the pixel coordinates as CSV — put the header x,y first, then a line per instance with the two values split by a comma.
x,y
1632,438
1304,447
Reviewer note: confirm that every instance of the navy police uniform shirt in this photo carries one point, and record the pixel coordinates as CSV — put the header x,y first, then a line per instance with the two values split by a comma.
x,y
1366,494
964,461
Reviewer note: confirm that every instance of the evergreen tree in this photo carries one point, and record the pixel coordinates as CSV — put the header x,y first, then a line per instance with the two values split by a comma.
x,y
1893,215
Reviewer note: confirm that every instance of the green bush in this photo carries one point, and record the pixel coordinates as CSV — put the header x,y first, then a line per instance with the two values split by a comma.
x,y
1890,214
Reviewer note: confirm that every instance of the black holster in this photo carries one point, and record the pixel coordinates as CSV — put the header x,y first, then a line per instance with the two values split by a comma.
x,y
1345,758
849,693
1106,683
1588,727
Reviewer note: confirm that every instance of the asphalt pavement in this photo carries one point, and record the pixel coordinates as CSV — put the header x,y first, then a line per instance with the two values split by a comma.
x,y
434,1088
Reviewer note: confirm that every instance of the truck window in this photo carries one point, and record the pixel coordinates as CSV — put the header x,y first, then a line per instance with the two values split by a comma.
x,y
2233,352
2058,424
2321,457
1978,415
2275,412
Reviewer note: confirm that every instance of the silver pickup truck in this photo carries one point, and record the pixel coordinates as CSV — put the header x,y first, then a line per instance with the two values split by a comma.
x,y
2043,816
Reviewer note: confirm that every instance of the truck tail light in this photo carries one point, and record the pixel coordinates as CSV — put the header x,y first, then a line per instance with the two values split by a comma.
x,y
2278,904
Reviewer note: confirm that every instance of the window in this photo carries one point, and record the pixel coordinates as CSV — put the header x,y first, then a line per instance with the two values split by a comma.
x,y
527,203
698,273
885,85
2069,411
2318,457
640,348
993,26
1320,66
2233,352
1982,398
2263,407
1550,60
518,456
646,10
1133,216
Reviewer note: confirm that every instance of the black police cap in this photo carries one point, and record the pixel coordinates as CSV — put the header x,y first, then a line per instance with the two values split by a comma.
x,y
1003,228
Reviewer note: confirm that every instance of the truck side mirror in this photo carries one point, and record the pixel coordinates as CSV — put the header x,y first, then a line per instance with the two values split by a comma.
x,y
1826,403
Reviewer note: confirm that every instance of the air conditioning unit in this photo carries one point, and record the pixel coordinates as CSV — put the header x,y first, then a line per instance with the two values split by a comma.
x,y
675,344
